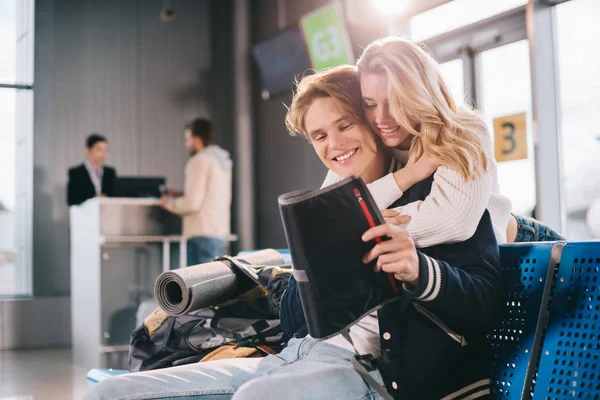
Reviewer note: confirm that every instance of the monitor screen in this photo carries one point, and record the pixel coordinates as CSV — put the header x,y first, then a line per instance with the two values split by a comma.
x,y
138,186
280,59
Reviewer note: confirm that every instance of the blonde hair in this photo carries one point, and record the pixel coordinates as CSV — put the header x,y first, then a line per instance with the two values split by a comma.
x,y
417,92
340,83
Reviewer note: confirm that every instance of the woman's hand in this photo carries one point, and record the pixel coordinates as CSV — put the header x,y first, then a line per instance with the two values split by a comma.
x,y
424,167
397,255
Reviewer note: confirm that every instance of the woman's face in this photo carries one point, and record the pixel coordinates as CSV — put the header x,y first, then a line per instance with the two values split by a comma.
x,y
374,88
343,145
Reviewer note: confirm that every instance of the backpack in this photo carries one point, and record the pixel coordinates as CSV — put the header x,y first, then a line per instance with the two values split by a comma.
x,y
249,320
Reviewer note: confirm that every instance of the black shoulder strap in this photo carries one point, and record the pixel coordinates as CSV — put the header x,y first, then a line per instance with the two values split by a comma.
x,y
357,364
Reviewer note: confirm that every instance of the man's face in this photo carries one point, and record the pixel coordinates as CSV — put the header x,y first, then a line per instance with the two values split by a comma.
x,y
343,145
192,144
96,155
189,142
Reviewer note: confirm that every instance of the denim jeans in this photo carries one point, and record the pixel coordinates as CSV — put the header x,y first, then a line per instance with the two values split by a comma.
x,y
532,230
202,249
306,369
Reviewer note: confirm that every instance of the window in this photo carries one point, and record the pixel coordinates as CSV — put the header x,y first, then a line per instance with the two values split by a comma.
x,y
456,14
496,71
16,131
489,64
452,71
7,189
579,65
506,90
7,153
8,37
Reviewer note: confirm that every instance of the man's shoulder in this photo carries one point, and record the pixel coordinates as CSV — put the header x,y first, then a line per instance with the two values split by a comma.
x,y
109,170
76,169
199,159
205,158
203,155
198,163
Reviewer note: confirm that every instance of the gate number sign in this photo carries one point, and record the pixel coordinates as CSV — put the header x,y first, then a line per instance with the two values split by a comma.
x,y
326,37
510,137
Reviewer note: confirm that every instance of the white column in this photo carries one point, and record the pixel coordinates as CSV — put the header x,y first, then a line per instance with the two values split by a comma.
x,y
24,148
546,114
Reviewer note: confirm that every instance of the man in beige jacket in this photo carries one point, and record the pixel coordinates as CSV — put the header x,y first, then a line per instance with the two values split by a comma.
x,y
205,204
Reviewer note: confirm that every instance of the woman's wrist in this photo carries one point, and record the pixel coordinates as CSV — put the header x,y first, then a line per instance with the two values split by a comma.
x,y
405,177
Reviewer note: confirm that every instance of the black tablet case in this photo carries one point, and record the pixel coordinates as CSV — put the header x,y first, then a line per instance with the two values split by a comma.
x,y
323,229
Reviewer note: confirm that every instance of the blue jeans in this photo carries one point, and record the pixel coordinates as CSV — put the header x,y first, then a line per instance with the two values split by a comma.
x,y
532,230
202,249
306,369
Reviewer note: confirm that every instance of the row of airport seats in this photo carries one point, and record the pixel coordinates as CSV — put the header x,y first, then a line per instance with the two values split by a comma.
x,y
548,344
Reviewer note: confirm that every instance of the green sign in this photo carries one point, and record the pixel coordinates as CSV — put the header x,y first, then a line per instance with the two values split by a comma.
x,y
326,37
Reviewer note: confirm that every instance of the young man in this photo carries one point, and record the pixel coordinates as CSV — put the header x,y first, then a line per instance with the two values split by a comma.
x,y
205,203
423,351
92,178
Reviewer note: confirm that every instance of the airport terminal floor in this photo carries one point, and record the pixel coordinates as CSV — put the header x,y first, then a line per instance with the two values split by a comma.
x,y
41,374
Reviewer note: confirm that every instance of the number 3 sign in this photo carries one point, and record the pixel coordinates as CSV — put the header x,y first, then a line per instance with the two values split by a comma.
x,y
510,137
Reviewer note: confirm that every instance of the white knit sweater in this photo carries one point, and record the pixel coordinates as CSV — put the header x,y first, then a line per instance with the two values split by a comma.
x,y
454,207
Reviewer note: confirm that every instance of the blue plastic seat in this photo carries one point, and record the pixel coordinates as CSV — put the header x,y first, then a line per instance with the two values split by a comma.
x,y
570,357
528,271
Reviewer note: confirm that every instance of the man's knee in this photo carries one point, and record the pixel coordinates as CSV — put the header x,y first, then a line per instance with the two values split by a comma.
x,y
265,388
313,383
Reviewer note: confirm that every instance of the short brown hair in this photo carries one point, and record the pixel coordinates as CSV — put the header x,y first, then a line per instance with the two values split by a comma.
x,y
203,129
340,83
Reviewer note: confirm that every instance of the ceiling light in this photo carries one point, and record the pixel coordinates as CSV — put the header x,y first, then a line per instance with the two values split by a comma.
x,y
391,8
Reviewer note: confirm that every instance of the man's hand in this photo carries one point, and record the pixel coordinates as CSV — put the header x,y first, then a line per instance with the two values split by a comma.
x,y
163,200
395,218
174,193
397,255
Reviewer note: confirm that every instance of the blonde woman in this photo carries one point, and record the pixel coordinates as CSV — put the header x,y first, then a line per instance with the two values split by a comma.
x,y
408,104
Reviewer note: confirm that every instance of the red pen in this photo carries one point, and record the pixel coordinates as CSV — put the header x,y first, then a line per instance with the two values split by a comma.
x,y
371,223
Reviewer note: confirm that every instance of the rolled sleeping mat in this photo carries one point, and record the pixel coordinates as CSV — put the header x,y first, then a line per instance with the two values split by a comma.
x,y
189,289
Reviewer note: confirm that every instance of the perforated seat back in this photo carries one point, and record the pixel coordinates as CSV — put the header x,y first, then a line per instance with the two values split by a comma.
x,y
570,358
527,269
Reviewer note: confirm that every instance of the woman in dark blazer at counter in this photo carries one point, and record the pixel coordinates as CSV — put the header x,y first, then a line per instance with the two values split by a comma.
x,y
92,178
